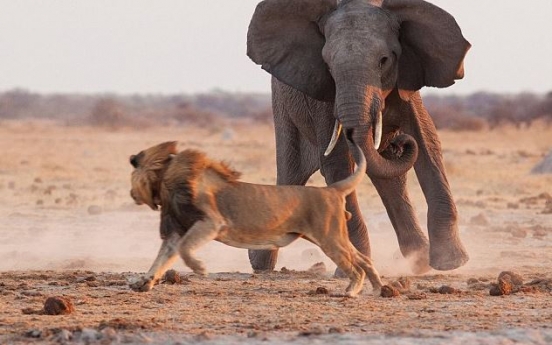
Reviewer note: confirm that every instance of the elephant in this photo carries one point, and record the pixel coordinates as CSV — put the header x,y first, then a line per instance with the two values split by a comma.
x,y
359,65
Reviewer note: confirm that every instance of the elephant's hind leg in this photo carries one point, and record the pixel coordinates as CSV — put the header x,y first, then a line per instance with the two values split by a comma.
x,y
296,161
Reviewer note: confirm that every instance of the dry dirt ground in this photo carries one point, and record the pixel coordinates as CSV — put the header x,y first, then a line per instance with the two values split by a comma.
x,y
69,229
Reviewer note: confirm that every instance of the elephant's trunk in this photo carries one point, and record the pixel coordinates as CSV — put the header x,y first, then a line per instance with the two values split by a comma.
x,y
363,118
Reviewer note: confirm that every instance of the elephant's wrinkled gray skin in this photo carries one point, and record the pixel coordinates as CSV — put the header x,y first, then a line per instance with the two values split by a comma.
x,y
349,61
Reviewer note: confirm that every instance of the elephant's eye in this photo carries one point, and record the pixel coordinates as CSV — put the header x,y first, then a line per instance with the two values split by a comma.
x,y
383,61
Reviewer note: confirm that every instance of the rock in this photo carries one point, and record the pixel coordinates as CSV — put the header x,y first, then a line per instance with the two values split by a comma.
x,y
388,291
336,329
519,233
94,210
512,205
416,296
472,281
539,233
58,306
447,290
172,277
480,220
547,207
514,278
321,291
504,287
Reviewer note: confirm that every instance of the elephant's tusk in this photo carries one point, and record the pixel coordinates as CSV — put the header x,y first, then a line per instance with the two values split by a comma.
x,y
378,130
335,136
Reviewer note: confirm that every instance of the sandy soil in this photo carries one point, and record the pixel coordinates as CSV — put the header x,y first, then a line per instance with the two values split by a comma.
x,y
69,229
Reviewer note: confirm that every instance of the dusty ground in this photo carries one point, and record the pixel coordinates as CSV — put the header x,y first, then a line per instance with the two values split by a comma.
x,y
70,229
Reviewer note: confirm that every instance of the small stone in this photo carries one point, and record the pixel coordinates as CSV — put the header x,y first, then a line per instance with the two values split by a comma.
x,y
504,287
172,277
94,210
472,281
514,278
416,296
336,330
480,220
447,290
519,233
539,233
388,291
546,196
58,306
321,290
512,205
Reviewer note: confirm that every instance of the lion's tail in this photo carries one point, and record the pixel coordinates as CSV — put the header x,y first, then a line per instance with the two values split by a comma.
x,y
348,185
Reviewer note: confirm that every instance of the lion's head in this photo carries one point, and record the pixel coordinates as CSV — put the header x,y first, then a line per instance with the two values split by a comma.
x,y
163,177
149,167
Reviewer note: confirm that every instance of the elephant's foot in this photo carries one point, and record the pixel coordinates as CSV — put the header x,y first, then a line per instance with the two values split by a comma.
x,y
447,255
263,260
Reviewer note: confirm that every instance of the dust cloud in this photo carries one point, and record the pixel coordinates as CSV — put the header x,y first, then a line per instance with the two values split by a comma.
x,y
64,200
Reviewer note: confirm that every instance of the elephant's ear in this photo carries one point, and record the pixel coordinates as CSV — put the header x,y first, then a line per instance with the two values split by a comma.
x,y
433,48
285,39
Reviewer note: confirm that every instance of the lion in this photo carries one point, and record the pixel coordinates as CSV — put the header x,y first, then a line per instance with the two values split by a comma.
x,y
203,200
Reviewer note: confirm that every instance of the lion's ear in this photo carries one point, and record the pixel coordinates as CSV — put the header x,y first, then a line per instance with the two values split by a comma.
x,y
158,156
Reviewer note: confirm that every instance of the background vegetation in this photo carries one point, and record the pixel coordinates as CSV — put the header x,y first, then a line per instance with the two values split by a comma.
x,y
477,111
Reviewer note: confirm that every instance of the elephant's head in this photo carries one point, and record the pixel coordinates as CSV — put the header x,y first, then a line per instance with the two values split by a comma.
x,y
355,53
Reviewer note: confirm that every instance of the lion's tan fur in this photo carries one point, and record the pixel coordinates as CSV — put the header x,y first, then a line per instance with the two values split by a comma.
x,y
203,200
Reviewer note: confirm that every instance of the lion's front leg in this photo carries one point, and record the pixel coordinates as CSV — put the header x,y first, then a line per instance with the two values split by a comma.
x,y
165,258
200,234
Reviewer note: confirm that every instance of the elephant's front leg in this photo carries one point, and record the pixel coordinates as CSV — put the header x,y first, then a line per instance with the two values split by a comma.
x,y
446,250
412,241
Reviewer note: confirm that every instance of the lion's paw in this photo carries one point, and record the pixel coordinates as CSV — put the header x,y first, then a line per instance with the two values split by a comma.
x,y
142,284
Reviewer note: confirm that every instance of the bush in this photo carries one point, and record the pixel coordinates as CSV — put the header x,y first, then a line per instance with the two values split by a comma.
x,y
107,112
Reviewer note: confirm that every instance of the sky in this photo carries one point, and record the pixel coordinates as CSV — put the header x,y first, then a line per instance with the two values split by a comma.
x,y
184,46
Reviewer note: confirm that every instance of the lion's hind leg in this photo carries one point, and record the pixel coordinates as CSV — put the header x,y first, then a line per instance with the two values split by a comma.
x,y
367,265
344,258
